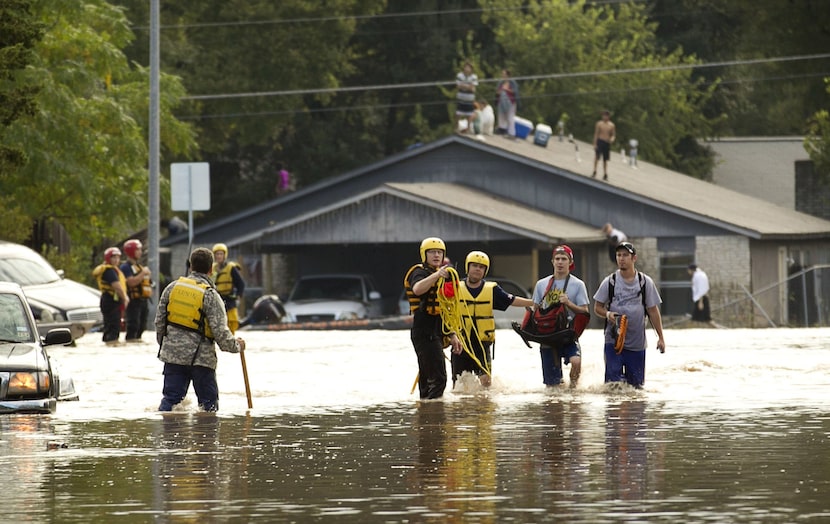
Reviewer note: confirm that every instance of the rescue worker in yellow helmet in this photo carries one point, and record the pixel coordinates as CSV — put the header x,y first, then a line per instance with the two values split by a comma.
x,y
229,283
478,298
114,299
190,321
421,285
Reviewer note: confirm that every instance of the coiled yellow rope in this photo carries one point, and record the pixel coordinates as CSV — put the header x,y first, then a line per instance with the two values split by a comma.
x,y
452,317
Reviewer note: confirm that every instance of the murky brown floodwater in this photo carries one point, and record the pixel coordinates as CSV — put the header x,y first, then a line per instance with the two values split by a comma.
x,y
733,426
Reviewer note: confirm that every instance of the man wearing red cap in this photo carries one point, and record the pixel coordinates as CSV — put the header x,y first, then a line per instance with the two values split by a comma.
x,y
561,288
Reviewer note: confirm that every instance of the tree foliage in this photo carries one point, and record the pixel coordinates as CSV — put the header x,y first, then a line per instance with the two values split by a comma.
x,y
85,145
226,48
817,141
19,32
758,95
581,53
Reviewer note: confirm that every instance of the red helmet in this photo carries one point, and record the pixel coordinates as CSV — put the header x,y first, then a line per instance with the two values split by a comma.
x,y
111,252
131,247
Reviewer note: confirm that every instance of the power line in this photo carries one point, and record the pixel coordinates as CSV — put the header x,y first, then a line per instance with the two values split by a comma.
x,y
379,16
428,103
549,76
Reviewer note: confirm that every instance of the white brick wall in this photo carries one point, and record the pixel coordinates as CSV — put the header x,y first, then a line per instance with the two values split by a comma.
x,y
727,262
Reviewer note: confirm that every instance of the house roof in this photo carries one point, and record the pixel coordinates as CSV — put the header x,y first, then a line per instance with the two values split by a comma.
x,y
648,184
674,191
467,203
500,212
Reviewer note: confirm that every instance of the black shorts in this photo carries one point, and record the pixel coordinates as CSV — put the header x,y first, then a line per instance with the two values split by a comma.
x,y
464,362
603,149
702,315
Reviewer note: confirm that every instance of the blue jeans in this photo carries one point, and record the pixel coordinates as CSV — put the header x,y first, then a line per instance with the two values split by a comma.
x,y
554,359
628,366
177,380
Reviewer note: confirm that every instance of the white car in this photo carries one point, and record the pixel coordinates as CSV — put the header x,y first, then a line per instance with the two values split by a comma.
x,y
324,298
55,301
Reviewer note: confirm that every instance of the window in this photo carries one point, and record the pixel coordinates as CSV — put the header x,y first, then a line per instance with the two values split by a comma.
x,y
675,285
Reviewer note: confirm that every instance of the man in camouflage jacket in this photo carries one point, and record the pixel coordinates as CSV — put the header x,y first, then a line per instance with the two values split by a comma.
x,y
188,355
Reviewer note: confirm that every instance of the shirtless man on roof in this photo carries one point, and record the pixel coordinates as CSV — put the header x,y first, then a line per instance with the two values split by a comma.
x,y
604,133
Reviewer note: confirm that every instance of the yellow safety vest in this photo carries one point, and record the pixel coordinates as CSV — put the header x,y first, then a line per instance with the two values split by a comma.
x,y
478,311
222,279
144,289
106,287
184,307
430,298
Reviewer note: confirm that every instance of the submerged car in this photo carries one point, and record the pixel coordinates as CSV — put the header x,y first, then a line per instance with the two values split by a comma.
x,y
322,298
30,380
54,300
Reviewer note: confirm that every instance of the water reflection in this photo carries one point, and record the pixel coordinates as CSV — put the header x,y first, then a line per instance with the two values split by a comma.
x,y
455,472
24,440
632,458
187,477
565,458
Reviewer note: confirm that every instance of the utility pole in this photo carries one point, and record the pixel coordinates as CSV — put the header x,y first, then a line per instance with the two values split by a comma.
x,y
153,192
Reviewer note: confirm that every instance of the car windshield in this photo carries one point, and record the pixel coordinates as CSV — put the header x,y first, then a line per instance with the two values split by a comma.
x,y
14,322
27,271
328,288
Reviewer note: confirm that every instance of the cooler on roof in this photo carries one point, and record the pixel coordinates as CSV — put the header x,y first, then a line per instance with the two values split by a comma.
x,y
542,135
523,127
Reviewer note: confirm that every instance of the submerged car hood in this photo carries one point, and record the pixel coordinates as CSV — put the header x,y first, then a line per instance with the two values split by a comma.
x,y
64,294
20,356
314,305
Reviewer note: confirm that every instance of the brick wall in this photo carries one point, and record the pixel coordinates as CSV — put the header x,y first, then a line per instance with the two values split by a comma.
x,y
726,261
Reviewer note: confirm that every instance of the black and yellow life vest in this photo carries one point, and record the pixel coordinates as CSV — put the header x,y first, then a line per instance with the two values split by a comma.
x,y
144,289
223,279
185,306
478,312
106,287
428,302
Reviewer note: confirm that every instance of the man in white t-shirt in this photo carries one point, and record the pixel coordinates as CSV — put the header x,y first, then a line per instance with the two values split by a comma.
x,y
701,311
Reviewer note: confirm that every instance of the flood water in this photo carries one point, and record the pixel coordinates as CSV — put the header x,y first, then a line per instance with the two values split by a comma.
x,y
732,426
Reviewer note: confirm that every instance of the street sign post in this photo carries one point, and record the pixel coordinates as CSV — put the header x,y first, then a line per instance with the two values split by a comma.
x,y
190,190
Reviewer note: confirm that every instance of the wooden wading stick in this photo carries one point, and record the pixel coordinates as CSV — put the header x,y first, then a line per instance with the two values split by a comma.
x,y
417,377
245,376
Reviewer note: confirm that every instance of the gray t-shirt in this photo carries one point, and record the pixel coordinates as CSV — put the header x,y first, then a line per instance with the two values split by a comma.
x,y
629,301
577,292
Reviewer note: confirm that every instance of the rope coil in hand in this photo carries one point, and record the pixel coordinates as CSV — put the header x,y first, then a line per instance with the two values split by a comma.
x,y
452,316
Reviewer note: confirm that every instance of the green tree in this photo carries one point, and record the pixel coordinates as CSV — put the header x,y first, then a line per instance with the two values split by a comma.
x,y
761,96
567,43
86,143
19,32
221,48
817,141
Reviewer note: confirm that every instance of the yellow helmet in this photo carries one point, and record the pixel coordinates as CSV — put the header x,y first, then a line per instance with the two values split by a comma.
x,y
479,257
431,243
220,247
